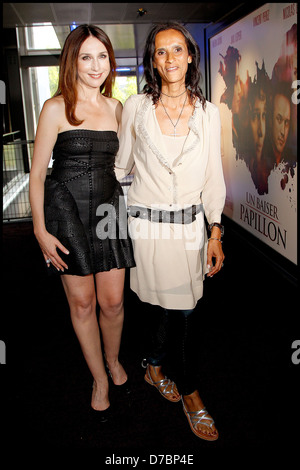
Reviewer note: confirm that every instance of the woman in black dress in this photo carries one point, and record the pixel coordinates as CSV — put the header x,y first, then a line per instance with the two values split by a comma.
x,y
79,215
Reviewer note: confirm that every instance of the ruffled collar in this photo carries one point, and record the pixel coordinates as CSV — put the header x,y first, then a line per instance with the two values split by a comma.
x,y
146,117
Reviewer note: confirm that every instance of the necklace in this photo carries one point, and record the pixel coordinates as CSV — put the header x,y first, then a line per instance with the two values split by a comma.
x,y
170,96
174,125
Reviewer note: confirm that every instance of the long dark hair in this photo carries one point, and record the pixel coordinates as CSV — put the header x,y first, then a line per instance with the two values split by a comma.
x,y
68,67
193,75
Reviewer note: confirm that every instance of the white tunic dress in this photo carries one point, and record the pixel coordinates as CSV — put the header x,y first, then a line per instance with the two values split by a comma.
x,y
171,173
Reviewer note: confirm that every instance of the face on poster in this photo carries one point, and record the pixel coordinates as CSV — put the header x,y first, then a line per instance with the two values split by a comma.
x,y
253,74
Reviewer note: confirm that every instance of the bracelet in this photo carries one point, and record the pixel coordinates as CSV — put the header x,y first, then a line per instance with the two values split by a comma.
x,y
215,224
219,240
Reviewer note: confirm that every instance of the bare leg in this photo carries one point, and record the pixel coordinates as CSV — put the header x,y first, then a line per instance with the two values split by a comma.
x,y
80,292
110,289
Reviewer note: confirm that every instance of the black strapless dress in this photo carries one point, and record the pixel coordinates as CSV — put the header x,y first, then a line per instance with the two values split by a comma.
x,y
84,203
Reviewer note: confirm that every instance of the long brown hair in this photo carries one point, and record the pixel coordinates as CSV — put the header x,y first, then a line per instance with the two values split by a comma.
x,y
68,67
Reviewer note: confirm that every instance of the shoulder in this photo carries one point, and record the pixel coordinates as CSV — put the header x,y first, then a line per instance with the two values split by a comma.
x,y
116,106
112,102
53,112
134,104
135,100
54,105
51,119
211,108
210,111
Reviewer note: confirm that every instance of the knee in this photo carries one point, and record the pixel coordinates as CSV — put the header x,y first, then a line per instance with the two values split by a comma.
x,y
83,307
111,306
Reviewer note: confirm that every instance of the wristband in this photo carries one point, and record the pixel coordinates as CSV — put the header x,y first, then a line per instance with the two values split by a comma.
x,y
215,224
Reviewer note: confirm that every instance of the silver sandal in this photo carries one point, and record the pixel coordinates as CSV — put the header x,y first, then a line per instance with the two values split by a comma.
x,y
162,386
200,417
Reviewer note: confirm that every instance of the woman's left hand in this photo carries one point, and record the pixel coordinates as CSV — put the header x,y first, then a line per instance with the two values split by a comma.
x,y
214,251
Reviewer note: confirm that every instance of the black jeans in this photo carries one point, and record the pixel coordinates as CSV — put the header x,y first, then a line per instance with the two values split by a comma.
x,y
172,340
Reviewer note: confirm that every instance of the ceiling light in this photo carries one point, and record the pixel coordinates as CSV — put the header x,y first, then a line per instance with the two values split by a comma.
x,y
141,12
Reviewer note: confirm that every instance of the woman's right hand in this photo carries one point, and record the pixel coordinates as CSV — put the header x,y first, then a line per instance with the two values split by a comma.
x,y
49,244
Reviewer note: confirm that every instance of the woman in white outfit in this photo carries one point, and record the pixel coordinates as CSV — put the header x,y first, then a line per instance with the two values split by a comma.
x,y
172,136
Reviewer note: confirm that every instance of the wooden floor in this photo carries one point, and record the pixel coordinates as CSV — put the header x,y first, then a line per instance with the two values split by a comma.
x,y
244,331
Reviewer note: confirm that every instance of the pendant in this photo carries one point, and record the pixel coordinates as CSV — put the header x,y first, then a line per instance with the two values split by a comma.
x,y
174,133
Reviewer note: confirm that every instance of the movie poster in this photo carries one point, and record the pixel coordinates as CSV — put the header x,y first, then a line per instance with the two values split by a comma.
x,y
253,74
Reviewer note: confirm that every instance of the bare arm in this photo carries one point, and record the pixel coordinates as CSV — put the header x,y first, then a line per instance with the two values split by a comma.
x,y
46,136
118,112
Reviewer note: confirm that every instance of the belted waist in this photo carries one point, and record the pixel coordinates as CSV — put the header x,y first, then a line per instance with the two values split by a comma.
x,y
182,216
